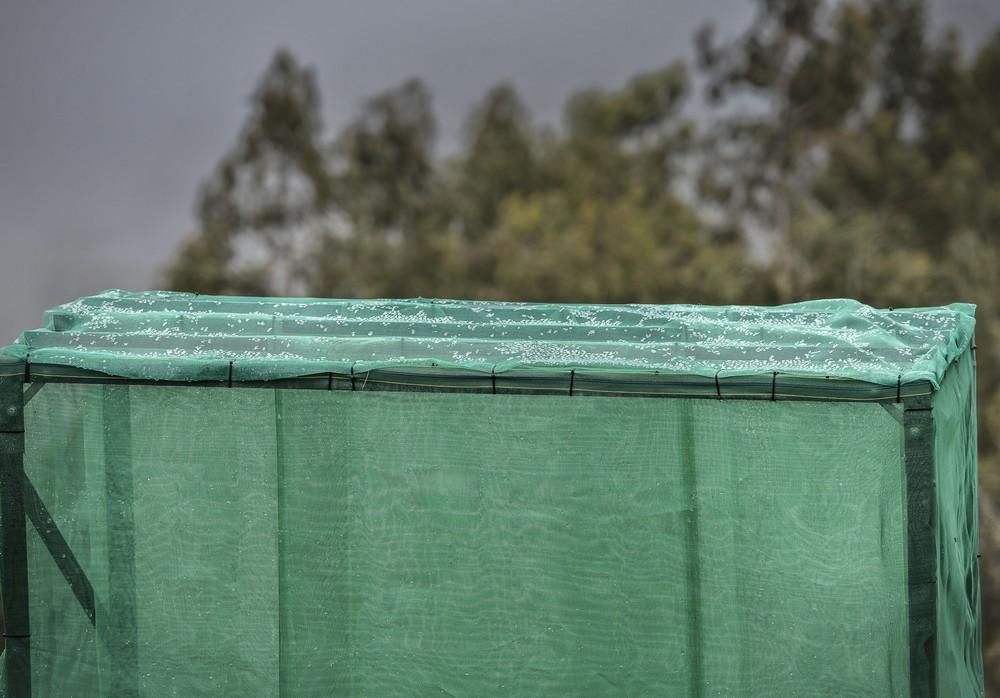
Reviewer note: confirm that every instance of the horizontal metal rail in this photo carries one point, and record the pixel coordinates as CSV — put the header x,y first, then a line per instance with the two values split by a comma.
x,y
575,382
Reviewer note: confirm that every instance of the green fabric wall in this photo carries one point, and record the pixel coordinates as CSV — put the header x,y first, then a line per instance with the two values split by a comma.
x,y
339,543
960,654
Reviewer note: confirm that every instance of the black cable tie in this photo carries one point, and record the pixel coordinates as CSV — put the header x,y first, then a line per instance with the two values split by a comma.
x,y
493,378
352,377
329,381
774,386
899,389
230,382
572,377
718,388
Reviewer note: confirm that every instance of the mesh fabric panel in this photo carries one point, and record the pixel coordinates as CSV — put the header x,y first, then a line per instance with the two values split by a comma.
x,y
960,652
351,543
188,337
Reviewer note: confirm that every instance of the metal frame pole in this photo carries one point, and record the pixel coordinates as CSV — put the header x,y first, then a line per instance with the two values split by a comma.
x,y
123,638
13,539
921,545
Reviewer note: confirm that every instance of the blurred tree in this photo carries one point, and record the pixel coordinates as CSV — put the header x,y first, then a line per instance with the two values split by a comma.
x,y
384,173
386,159
606,224
255,211
500,158
589,212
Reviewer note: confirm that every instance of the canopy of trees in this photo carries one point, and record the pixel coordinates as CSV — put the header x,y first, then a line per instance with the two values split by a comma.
x,y
848,152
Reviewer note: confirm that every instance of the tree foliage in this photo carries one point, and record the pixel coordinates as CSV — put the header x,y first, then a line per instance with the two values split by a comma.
x,y
589,212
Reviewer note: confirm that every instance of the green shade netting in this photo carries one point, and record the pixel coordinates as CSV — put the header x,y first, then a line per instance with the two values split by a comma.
x,y
957,565
260,541
421,544
177,336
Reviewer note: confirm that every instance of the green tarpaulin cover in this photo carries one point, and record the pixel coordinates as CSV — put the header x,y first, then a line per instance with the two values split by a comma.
x,y
181,336
425,497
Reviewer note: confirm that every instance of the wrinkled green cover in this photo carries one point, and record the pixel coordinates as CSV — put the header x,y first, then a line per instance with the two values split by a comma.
x,y
958,610
177,336
313,542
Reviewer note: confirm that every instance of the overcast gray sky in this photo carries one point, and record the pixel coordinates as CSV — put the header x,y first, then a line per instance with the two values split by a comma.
x,y
111,113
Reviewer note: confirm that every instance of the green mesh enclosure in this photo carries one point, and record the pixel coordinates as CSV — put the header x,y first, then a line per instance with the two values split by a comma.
x,y
264,497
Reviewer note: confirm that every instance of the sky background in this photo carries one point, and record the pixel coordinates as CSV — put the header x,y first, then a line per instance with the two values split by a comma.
x,y
112,113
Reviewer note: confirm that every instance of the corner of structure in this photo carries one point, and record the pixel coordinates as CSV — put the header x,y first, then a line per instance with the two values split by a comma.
x,y
13,539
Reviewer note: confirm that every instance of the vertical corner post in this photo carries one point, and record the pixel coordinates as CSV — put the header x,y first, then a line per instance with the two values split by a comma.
x,y
921,543
13,539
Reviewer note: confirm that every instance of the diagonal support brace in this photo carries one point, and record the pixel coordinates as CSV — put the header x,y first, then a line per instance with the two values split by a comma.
x,y
59,549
